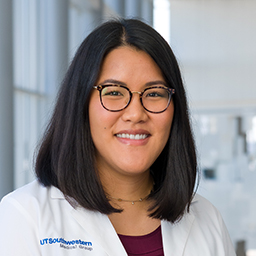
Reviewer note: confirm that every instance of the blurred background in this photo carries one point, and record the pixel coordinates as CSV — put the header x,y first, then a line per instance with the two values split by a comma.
x,y
215,44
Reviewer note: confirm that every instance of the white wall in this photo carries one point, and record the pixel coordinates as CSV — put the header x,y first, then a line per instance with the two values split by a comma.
x,y
214,42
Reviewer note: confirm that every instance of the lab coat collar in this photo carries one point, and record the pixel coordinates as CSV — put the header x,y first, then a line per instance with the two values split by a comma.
x,y
96,224
100,228
102,231
175,235
56,193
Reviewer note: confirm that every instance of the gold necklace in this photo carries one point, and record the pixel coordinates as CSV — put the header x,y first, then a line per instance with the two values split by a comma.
x,y
130,201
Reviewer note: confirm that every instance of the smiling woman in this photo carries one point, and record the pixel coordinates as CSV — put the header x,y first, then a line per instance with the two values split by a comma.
x,y
116,168
123,154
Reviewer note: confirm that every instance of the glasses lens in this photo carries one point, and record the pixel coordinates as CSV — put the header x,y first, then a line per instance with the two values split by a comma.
x,y
156,99
115,97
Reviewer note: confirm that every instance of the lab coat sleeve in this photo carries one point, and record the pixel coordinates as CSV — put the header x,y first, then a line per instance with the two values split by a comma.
x,y
18,232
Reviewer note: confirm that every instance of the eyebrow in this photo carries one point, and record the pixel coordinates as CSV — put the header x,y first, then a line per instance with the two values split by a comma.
x,y
113,81
156,82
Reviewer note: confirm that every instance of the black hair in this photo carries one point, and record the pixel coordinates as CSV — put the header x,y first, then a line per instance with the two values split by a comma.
x,y
66,154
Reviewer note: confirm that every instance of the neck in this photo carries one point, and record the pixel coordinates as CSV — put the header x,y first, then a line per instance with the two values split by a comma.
x,y
128,188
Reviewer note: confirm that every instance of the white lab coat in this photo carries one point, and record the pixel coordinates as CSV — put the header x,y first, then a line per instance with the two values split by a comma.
x,y
35,220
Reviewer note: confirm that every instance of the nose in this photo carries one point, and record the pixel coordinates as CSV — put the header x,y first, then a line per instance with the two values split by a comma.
x,y
135,112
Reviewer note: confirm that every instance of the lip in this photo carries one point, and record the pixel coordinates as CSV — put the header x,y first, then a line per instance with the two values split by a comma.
x,y
140,137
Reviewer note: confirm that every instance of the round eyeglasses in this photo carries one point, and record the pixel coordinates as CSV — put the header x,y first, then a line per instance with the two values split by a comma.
x,y
155,99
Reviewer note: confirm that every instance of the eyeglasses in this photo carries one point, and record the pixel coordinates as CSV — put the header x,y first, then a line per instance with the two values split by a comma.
x,y
155,99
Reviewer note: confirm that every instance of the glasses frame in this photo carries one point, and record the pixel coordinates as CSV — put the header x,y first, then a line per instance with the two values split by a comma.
x,y
100,87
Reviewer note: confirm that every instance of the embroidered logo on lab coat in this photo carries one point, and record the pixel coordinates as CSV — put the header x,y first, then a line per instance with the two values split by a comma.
x,y
67,244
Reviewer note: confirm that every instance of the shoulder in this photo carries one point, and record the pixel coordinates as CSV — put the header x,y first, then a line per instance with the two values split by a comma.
x,y
201,231
30,193
22,203
204,211
30,207
202,205
209,226
29,200
208,229
32,189
20,213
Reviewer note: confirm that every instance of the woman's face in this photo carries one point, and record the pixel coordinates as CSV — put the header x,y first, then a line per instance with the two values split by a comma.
x,y
128,156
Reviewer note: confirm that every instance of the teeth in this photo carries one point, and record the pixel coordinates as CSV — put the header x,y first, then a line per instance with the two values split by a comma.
x,y
132,136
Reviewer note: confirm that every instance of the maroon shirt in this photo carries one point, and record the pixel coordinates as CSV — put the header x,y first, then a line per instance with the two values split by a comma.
x,y
147,245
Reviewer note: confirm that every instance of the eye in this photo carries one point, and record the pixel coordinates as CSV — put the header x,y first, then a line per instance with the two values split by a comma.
x,y
156,93
115,93
153,94
112,92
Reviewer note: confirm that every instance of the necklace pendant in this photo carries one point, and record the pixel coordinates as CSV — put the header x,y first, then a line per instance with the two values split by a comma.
x,y
133,203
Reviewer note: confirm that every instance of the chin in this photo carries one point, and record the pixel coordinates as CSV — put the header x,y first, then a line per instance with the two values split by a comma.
x,y
131,171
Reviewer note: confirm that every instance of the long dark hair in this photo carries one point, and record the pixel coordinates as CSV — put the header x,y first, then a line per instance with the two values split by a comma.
x,y
66,155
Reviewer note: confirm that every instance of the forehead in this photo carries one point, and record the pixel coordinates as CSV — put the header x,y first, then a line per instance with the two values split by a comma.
x,y
129,64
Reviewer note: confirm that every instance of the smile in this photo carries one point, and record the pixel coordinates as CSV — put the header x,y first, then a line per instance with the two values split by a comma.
x,y
132,136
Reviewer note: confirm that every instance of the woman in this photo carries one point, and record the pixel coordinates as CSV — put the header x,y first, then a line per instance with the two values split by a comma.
x,y
117,165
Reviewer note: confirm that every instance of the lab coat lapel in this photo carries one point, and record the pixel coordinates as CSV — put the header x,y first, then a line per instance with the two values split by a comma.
x,y
101,229
175,235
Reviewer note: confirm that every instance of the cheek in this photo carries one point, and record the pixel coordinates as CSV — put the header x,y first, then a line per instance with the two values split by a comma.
x,y
95,110
166,119
100,120
165,126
